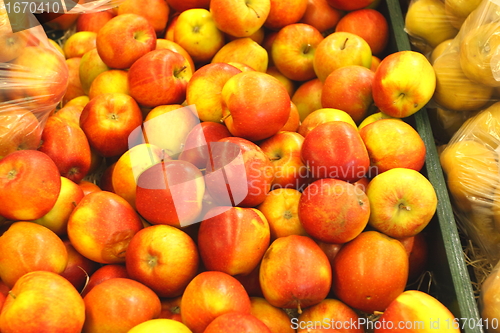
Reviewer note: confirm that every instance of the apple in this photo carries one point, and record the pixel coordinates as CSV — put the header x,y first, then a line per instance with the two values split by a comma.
x,y
293,51
101,227
118,305
409,210
293,122
369,24
79,43
240,18
79,268
20,130
422,310
24,249
67,145
370,271
375,63
340,49
130,165
257,113
283,150
105,272
196,149
107,120
93,21
182,5
155,11
163,258
13,43
454,91
204,90
88,187
196,32
307,97
374,117
236,322
258,36
418,256
427,22
124,39
251,282
440,49
276,319
350,5
332,315
75,88
160,325
209,295
49,78
91,65
295,273
333,211
109,81
280,209
335,150
43,292
458,11
29,185
170,192
57,218
330,249
349,88
233,239
159,77
404,82
393,144
321,15
477,52
79,101
105,179
282,13
162,43
238,173
243,50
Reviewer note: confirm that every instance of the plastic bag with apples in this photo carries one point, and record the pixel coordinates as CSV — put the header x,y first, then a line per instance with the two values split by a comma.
x,y
33,76
489,301
471,164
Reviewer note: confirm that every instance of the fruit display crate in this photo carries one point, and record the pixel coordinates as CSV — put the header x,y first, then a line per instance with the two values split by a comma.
x,y
449,279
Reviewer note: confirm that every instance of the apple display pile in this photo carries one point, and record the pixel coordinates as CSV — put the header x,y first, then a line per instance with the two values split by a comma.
x,y
249,157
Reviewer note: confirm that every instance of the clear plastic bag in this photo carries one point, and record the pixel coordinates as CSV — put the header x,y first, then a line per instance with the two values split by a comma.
x,y
489,301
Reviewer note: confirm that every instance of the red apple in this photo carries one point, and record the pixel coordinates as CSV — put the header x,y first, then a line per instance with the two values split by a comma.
x,y
392,143
251,282
321,15
282,13
88,187
109,81
370,271
209,295
108,120
404,82
197,147
118,305
171,308
79,268
29,185
162,43
349,88
293,122
335,150
43,292
75,88
13,43
349,5
170,192
124,39
295,273
330,250
283,149
155,11
236,322
233,239
79,43
104,273
93,21
307,97
293,50
238,173
26,247
418,257
321,116
333,210
67,145
258,112
101,227
159,77
276,319
163,258
369,24
182,5
204,89
20,130
106,180
240,18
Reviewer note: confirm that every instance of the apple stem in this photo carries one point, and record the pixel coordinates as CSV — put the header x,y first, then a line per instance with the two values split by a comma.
x,y
177,72
258,16
306,49
225,117
345,43
274,158
12,294
377,313
299,309
401,206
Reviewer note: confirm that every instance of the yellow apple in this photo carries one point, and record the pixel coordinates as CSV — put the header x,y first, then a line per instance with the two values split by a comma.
x,y
160,325
374,117
246,51
458,10
110,81
440,49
